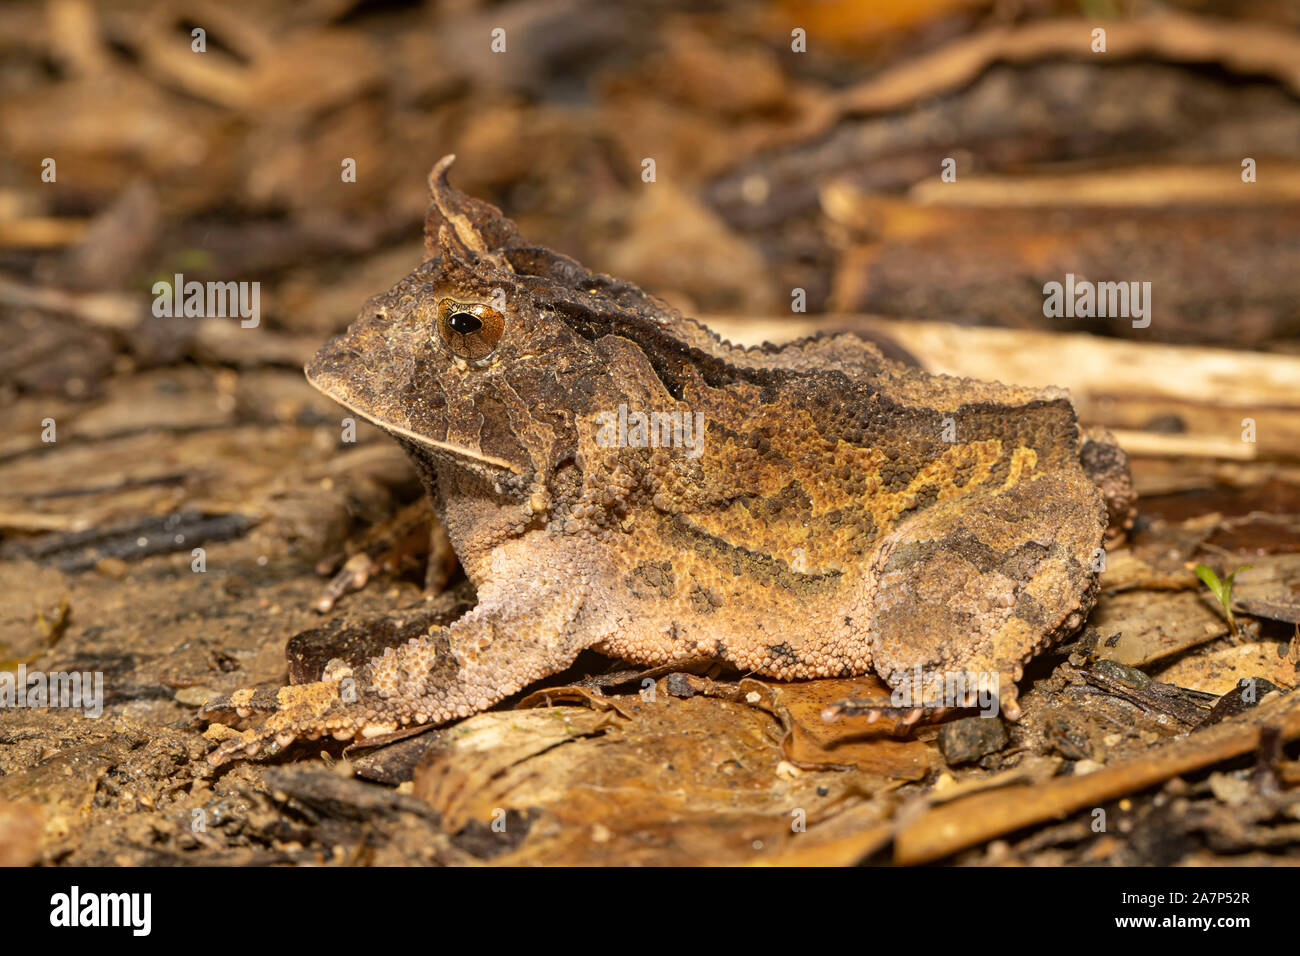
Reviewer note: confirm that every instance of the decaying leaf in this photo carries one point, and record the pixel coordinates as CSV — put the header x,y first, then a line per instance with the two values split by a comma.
x,y
695,780
959,824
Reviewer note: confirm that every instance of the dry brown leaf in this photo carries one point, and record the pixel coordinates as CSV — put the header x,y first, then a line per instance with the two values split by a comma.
x,y
679,781
1153,625
1271,588
811,741
1217,670
954,826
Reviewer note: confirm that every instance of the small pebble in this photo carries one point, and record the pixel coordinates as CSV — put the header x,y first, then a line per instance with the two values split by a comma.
x,y
968,739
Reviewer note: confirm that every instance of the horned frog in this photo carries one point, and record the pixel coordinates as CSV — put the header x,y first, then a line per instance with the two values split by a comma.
x,y
614,476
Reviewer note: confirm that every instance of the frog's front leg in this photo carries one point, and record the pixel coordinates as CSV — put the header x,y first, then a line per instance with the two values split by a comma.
x,y
413,531
531,621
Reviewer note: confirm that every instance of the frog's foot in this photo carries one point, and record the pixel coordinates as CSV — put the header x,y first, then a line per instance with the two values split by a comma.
x,y
934,697
241,708
354,574
911,704
875,708
386,547
332,707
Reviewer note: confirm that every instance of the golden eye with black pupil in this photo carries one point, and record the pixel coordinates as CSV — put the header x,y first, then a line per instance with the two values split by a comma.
x,y
470,329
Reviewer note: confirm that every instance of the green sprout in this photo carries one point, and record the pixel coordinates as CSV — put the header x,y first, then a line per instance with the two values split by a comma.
x,y
1222,589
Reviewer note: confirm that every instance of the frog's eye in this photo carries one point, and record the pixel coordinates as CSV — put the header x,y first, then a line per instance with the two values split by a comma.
x,y
470,329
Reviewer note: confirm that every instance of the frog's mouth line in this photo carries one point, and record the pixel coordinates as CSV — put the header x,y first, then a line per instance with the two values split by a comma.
x,y
459,451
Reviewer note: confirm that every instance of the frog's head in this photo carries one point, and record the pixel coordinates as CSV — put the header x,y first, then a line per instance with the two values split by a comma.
x,y
491,353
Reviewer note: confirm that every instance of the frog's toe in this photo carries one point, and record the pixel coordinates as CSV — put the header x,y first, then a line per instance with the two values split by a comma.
x,y
1009,701
872,708
354,574
238,708
250,743
327,708
279,731
297,711
388,546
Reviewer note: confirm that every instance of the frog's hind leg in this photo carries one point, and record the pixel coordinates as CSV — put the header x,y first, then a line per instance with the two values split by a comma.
x,y
968,591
